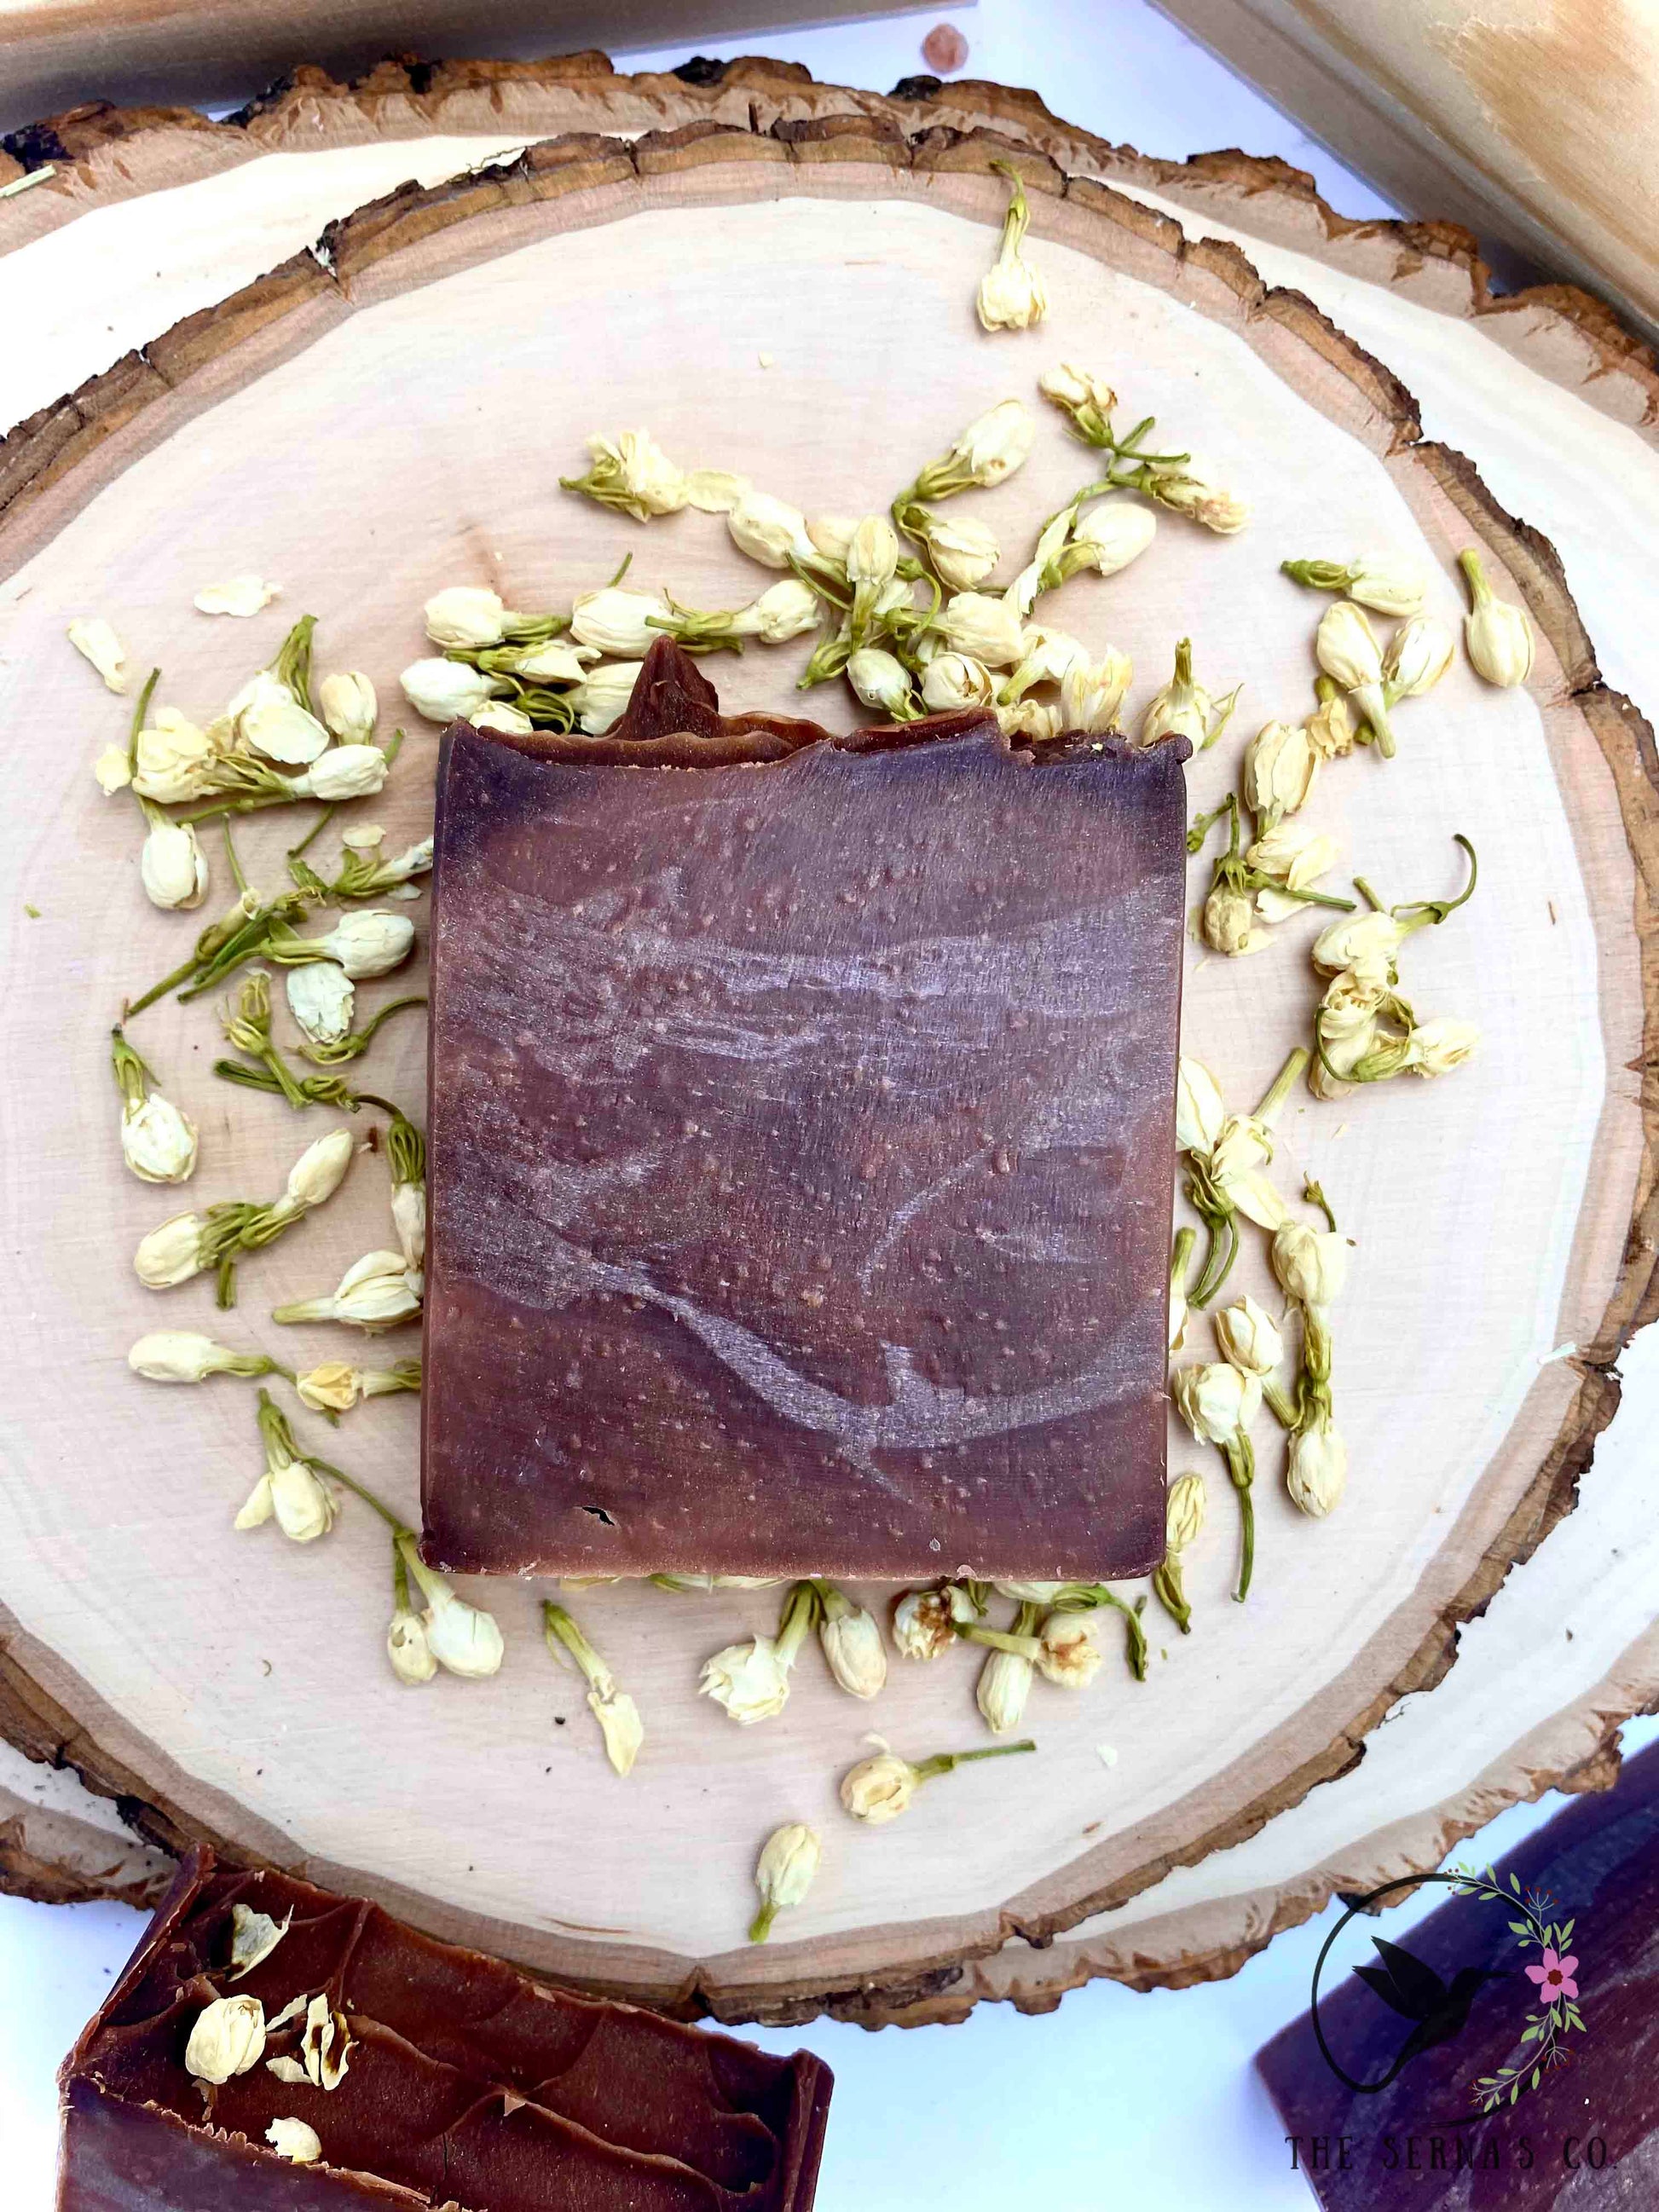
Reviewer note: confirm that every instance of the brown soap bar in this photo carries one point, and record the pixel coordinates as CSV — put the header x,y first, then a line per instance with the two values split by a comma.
x,y
800,1147
465,2084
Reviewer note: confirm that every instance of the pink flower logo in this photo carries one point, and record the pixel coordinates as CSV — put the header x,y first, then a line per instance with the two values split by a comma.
x,y
1554,1976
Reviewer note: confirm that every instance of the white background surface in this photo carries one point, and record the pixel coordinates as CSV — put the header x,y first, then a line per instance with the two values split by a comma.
x,y
1117,2097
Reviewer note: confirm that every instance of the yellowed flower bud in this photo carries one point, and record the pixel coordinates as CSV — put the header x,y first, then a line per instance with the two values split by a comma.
x,y
1003,1690
1216,1402
951,681
1317,1467
853,1645
1280,765
296,2141
1496,631
922,1627
1311,1265
1092,692
879,1789
226,2037
784,1872
350,706
408,1647
1184,1510
1436,1046
1068,1657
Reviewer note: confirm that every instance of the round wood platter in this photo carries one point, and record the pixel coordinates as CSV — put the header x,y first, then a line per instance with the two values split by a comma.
x,y
1503,1257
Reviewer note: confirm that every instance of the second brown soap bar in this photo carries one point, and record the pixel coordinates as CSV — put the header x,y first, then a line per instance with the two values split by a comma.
x,y
801,1147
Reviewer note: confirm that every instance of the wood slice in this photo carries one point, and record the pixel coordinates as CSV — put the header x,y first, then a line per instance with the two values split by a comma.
x,y
287,378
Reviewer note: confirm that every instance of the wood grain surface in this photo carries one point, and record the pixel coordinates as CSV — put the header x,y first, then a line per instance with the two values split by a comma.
x,y
1347,391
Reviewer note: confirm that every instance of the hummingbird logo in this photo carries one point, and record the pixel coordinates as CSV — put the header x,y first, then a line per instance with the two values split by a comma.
x,y
1439,2011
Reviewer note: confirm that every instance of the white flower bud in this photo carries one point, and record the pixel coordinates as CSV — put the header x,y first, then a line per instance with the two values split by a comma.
x,y
1317,1467
182,1356
922,1626
1191,490
879,1789
301,1501
832,535
602,697
1346,646
786,610
1199,1113
226,2037
333,1388
369,944
1436,1046
343,772
996,443
409,1219
1216,1402
1230,923
1496,631
296,2141
1280,765
872,551
447,691
320,1169
1364,942
175,760
768,530
624,623
1111,535
748,1680
951,681
498,714
322,998
637,476
555,662
1069,1657
1071,387
1184,708
1311,1265
1418,654
407,1648
986,628
172,866
1028,1593
1003,1685
881,681
350,706
1038,719
158,1142
465,617
962,551
171,1253
1184,1509
377,1292
1249,1338
1330,727
96,641
784,1872
1352,1003
463,1638
1379,580
1294,855
238,595
1011,295
853,1647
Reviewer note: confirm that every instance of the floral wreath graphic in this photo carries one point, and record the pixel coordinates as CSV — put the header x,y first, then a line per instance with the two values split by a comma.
x,y
1417,1991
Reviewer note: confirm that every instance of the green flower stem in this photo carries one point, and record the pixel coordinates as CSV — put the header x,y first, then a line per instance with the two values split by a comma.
x,y
1089,1597
310,1090
1314,1194
405,1149
1419,914
322,822
400,1597
433,1587
1198,835
761,1926
943,1761
1180,1253
137,722
1240,1455
795,1622
355,1041
558,1627
133,1073
1368,894
1280,1088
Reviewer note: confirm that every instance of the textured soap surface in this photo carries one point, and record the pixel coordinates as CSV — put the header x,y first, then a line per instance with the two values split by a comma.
x,y
465,2083
800,1154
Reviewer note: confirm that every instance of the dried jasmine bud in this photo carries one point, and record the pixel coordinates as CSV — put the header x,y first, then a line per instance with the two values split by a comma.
x,y
881,681
336,1387
1180,1252
158,1142
324,2045
226,2037
617,1715
181,1356
984,629
1011,295
923,1625
962,553
632,474
171,867
365,943
1348,651
1279,767
951,681
1218,1404
292,1487
880,1789
1418,654
788,1866
771,531
787,611
1386,585
463,1638
350,706
377,1292
240,595
1496,631
171,761
603,695
750,1680
1184,708
989,452
1184,1512
321,997
852,1641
